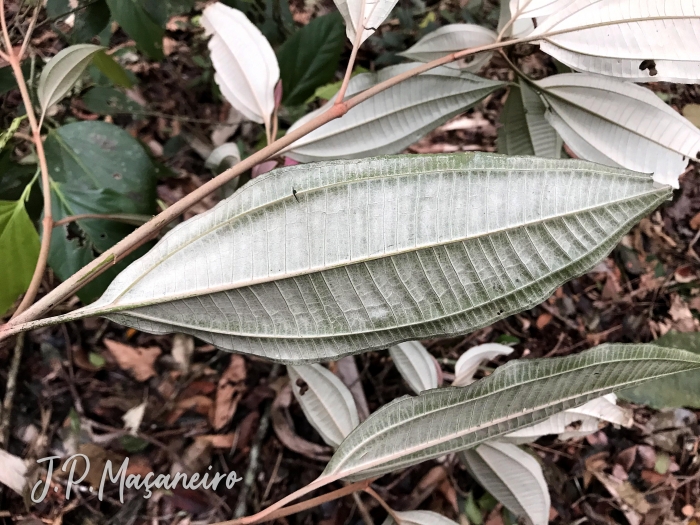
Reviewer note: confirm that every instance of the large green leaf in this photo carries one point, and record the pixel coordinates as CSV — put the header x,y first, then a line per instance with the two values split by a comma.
x,y
95,167
19,251
90,21
522,392
309,58
682,390
311,263
138,24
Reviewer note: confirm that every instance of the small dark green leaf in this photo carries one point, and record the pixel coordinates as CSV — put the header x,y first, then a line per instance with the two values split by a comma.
x,y
162,10
13,179
56,8
109,101
681,390
309,58
112,70
138,24
95,167
90,21
19,251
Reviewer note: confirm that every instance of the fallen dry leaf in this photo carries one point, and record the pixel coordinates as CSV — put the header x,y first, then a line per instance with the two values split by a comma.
x,y
543,320
223,441
200,404
229,392
138,361
13,472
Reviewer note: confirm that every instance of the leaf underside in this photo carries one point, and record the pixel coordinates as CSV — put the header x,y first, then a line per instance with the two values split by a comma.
x,y
521,393
378,251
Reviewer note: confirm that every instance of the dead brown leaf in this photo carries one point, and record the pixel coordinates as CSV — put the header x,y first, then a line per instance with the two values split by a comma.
x,y
199,404
229,392
138,361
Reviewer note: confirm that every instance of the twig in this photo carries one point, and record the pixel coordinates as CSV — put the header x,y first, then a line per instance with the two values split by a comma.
x,y
30,30
119,217
251,472
47,222
146,232
353,55
6,412
366,516
392,513
304,505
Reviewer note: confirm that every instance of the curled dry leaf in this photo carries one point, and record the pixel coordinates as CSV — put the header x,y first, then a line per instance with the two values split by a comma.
x,y
325,400
620,124
369,14
284,429
450,39
469,362
512,476
393,119
419,517
638,40
62,72
138,361
270,270
229,391
416,365
245,64
410,430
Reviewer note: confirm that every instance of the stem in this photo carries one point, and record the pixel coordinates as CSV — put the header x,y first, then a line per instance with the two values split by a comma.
x,y
299,507
353,55
119,217
392,513
47,222
146,232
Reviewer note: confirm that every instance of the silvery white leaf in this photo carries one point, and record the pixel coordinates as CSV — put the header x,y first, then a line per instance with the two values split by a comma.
x,y
326,401
536,8
416,365
518,28
587,416
13,473
62,72
620,124
512,476
245,64
369,253
419,517
374,14
468,363
524,129
393,119
450,39
413,429
227,152
638,40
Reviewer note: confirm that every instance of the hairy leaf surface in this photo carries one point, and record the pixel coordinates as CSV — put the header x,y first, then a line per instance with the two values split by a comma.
x,y
522,392
415,365
313,262
637,40
393,119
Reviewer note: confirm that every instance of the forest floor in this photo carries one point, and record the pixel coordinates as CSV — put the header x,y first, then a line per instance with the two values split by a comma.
x,y
195,406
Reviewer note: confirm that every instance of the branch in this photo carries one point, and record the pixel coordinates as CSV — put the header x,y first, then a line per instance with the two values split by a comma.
x,y
14,59
149,230
353,55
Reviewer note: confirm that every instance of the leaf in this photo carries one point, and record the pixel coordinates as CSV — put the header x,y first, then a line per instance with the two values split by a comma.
x,y
19,251
91,20
226,155
326,401
416,365
679,391
620,124
536,8
523,392
109,101
588,416
469,362
525,130
513,477
310,57
374,14
138,24
419,517
615,39
139,361
246,67
393,119
62,72
13,473
95,167
6,135
377,251
112,70
133,417
450,39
